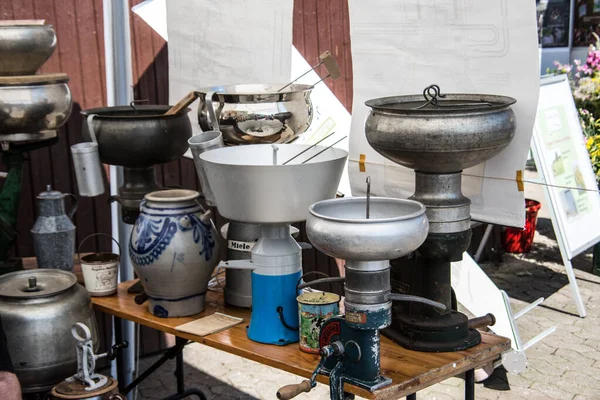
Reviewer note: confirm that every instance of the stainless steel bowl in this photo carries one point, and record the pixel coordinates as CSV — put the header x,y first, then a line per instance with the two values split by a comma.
x,y
25,48
31,104
339,228
256,113
458,134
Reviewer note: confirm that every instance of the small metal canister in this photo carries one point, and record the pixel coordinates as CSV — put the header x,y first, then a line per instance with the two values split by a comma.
x,y
313,309
53,232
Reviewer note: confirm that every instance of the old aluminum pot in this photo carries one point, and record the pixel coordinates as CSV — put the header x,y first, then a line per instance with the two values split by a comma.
x,y
458,134
31,104
53,232
38,308
256,113
24,48
138,136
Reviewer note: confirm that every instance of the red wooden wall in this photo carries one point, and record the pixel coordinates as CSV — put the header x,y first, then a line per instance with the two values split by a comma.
x,y
318,26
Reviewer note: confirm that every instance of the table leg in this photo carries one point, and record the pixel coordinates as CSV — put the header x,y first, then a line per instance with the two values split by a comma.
x,y
179,342
412,396
119,359
470,384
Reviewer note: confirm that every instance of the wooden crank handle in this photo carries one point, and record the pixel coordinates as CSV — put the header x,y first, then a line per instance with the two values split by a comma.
x,y
183,103
290,391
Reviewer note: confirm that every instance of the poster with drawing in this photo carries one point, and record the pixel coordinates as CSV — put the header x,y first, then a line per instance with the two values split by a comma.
x,y
565,165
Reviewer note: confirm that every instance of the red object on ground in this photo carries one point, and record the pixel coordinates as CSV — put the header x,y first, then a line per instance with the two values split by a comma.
x,y
521,240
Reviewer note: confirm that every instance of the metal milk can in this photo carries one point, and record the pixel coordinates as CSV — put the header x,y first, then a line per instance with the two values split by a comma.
x,y
53,232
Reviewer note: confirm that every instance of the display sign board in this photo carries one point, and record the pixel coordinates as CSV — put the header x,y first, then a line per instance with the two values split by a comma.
x,y
563,161
564,166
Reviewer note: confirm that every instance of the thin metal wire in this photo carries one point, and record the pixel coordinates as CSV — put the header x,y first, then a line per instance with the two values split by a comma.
x,y
325,149
532,182
305,150
368,196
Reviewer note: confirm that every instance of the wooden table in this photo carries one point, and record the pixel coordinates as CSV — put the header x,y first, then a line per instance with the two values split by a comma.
x,y
409,370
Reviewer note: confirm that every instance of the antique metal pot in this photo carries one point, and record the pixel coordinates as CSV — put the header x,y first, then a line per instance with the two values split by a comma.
x,y
138,136
464,131
256,113
24,48
32,104
38,308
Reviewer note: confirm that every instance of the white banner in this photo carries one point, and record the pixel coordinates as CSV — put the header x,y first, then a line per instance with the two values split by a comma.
x,y
486,46
227,42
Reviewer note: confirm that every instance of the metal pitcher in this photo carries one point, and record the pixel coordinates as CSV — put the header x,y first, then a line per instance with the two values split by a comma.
x,y
53,232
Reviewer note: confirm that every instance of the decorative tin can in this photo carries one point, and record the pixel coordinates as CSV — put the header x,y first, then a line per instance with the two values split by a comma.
x,y
313,309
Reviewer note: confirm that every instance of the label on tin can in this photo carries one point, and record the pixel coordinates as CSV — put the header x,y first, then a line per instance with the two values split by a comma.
x,y
356,317
240,246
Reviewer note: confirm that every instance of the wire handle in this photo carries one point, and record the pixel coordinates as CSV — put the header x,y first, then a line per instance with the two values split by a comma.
x,y
96,234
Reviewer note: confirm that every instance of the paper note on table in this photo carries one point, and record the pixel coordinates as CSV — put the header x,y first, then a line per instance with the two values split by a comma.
x,y
227,42
214,323
485,46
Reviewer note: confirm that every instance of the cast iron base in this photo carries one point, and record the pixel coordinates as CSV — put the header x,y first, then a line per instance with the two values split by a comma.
x,y
448,332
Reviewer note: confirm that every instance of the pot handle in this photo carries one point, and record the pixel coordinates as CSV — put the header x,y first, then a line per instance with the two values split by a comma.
x,y
74,207
90,125
96,234
213,120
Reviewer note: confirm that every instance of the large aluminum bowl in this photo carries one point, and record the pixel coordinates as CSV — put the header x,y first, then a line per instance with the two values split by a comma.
x,y
249,188
339,228
31,104
25,48
256,113
140,136
442,139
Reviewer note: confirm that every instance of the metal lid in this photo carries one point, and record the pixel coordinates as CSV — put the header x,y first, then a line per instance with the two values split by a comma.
x,y
50,194
36,283
432,101
318,298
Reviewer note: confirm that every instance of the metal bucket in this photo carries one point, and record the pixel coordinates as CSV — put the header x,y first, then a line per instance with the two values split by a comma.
x,y
100,270
313,309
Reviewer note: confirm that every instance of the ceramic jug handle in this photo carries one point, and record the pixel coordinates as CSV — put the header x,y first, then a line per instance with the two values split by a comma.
x,y
74,208
210,109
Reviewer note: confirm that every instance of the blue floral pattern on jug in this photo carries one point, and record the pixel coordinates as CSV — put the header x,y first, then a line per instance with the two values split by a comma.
x,y
155,235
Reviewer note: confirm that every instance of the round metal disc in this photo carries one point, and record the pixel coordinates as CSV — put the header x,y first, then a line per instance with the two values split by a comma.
x,y
450,103
49,282
77,390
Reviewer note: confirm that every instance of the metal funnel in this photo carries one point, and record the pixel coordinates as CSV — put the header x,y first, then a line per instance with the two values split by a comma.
x,y
248,187
454,132
339,228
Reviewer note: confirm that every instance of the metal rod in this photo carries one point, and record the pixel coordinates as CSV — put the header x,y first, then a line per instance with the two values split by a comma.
x,y
320,80
368,196
307,149
179,365
275,150
470,384
312,69
325,149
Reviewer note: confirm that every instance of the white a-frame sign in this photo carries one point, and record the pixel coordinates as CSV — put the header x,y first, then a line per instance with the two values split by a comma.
x,y
563,163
